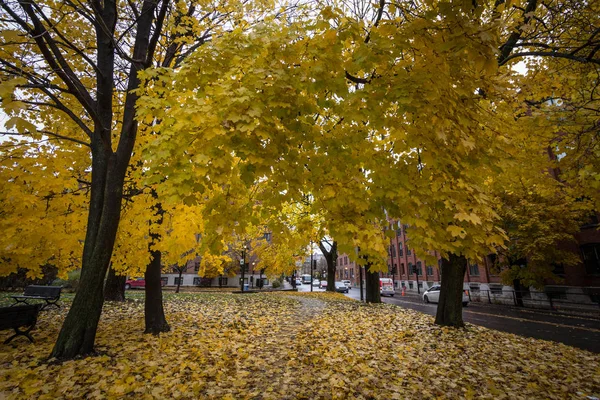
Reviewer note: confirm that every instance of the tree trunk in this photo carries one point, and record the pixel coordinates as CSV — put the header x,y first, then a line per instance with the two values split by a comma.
x,y
153,308
78,332
109,167
179,281
373,294
331,258
518,292
114,287
449,310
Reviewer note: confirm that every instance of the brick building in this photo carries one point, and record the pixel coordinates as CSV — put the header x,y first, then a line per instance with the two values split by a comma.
x,y
580,284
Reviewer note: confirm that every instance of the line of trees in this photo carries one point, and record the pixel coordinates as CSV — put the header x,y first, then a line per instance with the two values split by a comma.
x,y
139,124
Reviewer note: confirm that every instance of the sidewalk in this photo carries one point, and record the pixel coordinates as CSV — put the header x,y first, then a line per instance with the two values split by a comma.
x,y
413,296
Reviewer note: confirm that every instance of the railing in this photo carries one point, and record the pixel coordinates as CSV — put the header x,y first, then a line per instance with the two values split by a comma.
x,y
553,300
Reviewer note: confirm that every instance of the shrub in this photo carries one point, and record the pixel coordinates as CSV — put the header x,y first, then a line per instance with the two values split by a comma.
x,y
72,282
276,283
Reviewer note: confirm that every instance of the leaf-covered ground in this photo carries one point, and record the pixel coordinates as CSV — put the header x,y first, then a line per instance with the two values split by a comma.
x,y
281,346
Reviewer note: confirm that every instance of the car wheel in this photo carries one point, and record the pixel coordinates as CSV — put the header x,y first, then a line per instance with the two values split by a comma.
x,y
466,303
127,286
426,299
391,295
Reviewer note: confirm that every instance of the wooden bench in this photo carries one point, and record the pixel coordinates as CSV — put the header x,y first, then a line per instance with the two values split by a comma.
x,y
51,294
18,316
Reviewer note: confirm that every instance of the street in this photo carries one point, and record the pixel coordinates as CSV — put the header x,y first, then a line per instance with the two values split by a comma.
x,y
580,332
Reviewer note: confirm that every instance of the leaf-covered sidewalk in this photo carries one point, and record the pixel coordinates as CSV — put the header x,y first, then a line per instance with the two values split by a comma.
x,y
278,346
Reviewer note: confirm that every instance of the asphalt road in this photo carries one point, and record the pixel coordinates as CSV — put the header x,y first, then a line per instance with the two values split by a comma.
x,y
580,332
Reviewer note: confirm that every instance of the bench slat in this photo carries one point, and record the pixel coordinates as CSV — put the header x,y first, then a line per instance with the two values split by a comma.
x,y
50,292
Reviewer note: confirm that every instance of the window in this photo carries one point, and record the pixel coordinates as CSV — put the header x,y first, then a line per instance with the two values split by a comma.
x,y
402,268
196,281
474,288
408,252
430,270
591,258
420,285
410,268
196,266
410,285
493,264
398,232
496,289
223,281
164,281
558,269
179,281
400,249
393,251
473,269
419,269
346,260
352,273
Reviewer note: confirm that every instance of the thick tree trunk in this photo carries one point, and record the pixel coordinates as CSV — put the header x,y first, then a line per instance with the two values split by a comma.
x,y
449,310
114,287
78,332
330,258
153,309
373,294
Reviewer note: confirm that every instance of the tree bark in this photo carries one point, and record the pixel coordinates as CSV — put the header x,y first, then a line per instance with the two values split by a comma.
x,y
109,167
330,258
373,294
449,310
114,287
154,313
179,281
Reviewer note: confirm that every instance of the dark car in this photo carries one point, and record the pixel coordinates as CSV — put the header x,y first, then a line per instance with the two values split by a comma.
x,y
341,287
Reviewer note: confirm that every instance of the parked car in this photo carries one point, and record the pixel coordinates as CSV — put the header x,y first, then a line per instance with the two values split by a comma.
x,y
323,285
432,295
386,287
341,287
316,282
138,283
347,283
298,282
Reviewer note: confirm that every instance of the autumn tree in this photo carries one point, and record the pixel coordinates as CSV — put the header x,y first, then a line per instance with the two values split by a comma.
x,y
69,74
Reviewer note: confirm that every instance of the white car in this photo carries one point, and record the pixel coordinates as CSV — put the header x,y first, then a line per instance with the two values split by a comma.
x,y
348,284
298,282
316,282
432,295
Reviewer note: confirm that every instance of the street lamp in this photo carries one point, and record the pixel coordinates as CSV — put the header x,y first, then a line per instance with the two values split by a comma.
x,y
243,264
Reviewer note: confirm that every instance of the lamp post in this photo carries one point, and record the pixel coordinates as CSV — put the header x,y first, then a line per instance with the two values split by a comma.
x,y
243,265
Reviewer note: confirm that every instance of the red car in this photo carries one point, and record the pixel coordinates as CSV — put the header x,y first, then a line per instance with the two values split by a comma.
x,y
135,283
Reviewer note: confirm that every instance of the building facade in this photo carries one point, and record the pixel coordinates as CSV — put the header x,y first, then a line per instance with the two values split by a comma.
x,y
581,282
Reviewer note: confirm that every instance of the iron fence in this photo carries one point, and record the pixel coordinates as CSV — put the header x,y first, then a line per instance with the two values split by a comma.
x,y
588,300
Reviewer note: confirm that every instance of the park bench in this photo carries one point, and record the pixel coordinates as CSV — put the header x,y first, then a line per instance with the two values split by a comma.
x,y
51,294
18,316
